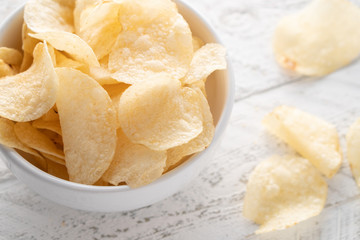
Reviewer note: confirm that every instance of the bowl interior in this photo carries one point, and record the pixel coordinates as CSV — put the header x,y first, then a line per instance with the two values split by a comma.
x,y
217,86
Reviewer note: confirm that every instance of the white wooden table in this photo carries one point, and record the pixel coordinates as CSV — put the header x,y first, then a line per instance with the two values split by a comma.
x,y
211,206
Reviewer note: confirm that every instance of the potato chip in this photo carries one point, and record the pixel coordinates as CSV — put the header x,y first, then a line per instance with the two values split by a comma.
x,y
197,144
9,138
64,61
51,115
197,43
48,15
100,27
159,114
5,69
77,48
353,149
313,138
283,191
115,92
102,75
49,125
54,159
155,38
54,137
206,60
26,62
312,41
89,135
38,161
134,164
35,139
30,94
57,170
11,56
80,6
28,43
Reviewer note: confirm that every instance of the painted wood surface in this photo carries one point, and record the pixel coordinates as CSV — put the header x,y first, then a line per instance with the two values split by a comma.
x,y
211,206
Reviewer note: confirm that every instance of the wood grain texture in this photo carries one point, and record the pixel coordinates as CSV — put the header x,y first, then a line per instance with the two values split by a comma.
x,y
211,206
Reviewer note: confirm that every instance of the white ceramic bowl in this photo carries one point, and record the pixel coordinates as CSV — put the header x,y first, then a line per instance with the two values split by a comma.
x,y
220,90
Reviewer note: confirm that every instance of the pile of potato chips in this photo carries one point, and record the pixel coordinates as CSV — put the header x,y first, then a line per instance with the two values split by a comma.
x,y
107,92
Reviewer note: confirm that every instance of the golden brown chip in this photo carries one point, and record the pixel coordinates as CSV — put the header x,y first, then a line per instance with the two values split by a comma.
x,y
11,56
155,38
54,159
197,144
38,161
5,69
160,114
134,164
35,139
57,170
49,125
283,191
30,94
89,135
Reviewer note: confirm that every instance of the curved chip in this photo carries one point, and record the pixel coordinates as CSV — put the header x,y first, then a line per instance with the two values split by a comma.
x,y
11,56
70,43
54,159
30,94
80,6
155,38
312,137
206,60
35,139
6,69
134,164
197,144
312,41
100,27
197,43
49,125
283,191
57,170
353,150
159,114
9,138
88,122
48,15
28,43
64,61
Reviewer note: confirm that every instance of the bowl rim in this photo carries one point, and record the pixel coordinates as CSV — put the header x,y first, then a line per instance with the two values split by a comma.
x,y
16,158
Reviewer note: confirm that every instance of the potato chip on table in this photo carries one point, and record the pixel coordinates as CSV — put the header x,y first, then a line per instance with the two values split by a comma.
x,y
312,137
353,149
282,191
320,39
